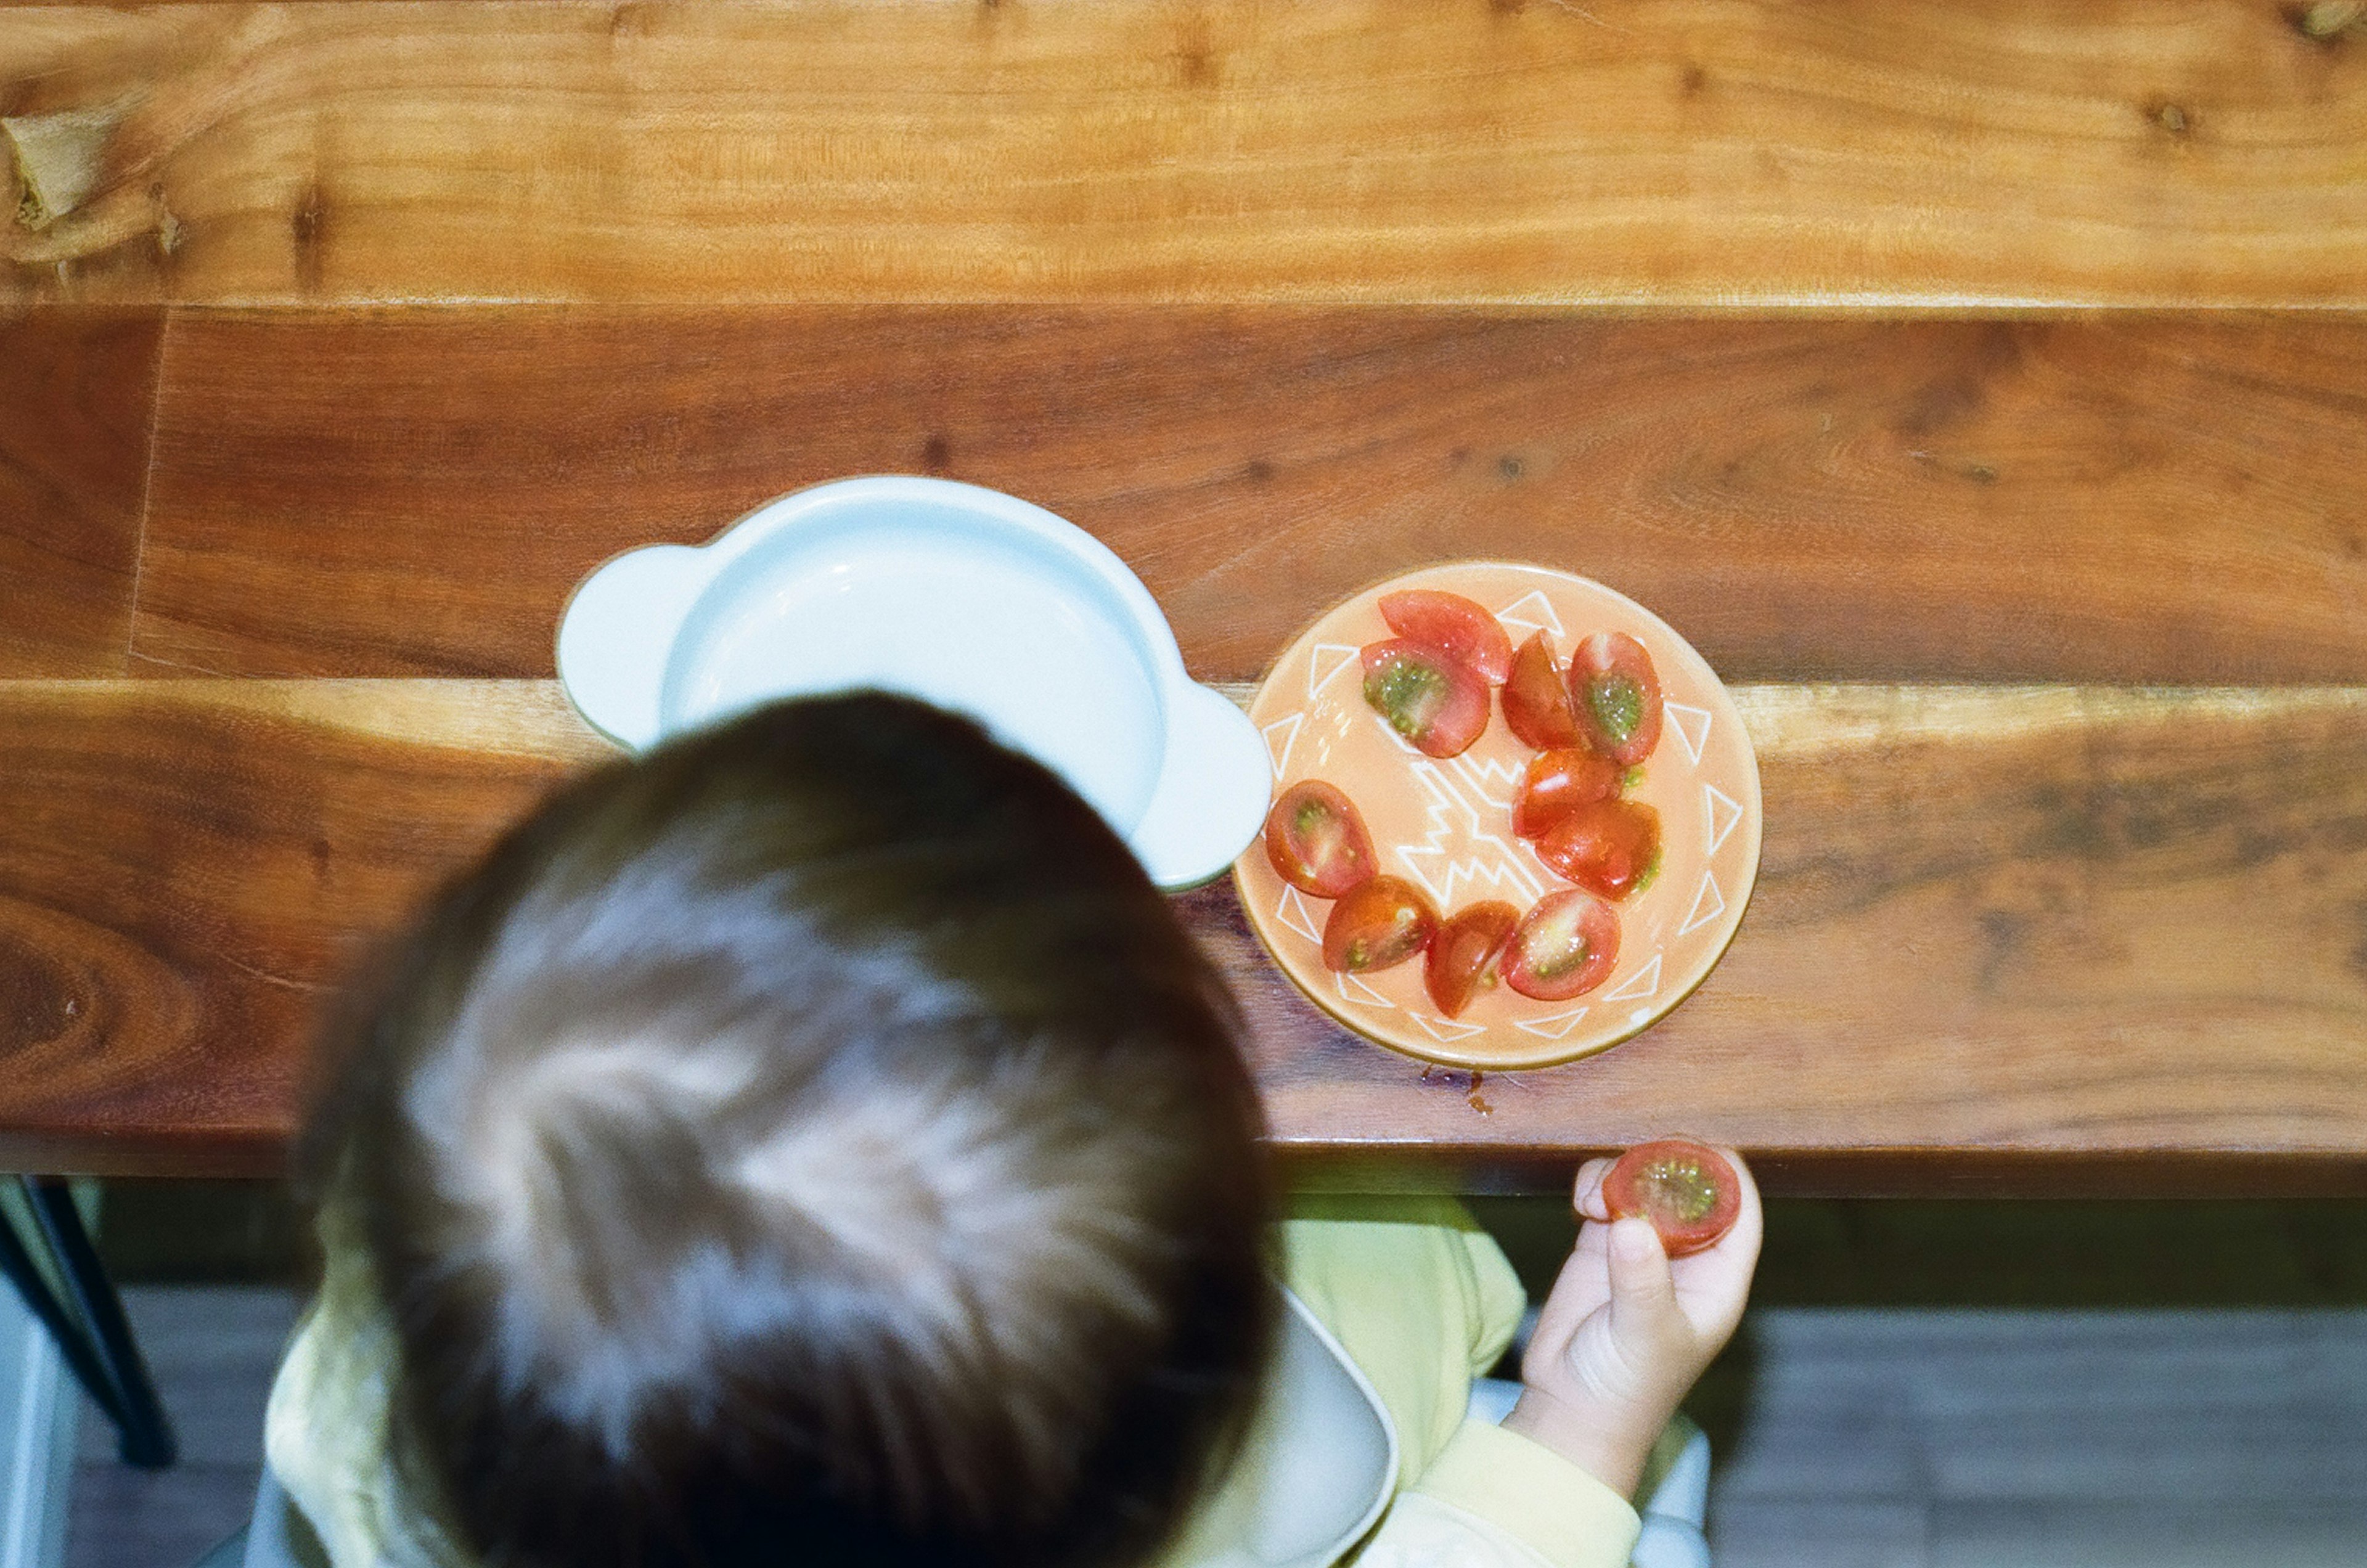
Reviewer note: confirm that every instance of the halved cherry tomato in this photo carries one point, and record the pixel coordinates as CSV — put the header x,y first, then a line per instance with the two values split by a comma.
x,y
1454,625
1558,781
1564,946
1616,693
1315,840
1605,846
1687,1189
1536,702
1438,703
1464,951
1383,921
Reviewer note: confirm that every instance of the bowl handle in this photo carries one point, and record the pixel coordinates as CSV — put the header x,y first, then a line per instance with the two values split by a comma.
x,y
1213,783
614,638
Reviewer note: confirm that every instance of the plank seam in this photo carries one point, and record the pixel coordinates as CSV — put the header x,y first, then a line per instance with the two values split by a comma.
x,y
147,487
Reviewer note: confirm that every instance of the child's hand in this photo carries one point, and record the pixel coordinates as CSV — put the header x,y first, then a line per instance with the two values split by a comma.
x,y
1627,1331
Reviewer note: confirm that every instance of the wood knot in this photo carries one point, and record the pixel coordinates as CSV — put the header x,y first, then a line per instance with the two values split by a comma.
x,y
632,20
2325,21
2176,119
36,1002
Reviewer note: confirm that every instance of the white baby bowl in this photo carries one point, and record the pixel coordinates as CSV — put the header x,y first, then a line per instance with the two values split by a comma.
x,y
964,597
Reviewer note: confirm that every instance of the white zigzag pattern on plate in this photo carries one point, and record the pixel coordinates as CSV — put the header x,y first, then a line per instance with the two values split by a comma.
x,y
1641,984
1288,725
1497,784
1707,895
1695,738
1712,799
1293,912
1320,673
1362,993
1532,610
1554,1026
1446,1028
1491,864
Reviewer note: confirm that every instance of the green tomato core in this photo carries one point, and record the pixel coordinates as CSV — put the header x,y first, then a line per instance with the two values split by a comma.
x,y
1617,704
1408,694
1681,1188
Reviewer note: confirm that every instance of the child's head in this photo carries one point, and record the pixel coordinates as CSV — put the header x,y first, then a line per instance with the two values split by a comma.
x,y
814,1141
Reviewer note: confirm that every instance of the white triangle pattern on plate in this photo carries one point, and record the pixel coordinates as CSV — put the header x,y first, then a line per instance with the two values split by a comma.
x,y
1708,905
1361,992
1692,725
1532,610
1327,660
1721,812
1554,1026
1293,912
1641,984
1446,1028
1280,737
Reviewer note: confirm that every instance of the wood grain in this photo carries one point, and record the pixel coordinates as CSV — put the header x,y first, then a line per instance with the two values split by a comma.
x,y
2138,499
1701,153
2027,940
182,871
77,395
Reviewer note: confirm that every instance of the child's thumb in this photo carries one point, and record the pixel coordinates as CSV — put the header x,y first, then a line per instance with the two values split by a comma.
x,y
1643,1292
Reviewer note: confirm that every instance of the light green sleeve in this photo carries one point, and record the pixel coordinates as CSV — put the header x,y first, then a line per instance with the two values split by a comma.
x,y
1424,1301
1421,1297
324,1430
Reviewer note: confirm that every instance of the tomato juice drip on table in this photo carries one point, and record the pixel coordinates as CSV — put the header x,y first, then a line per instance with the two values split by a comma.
x,y
1430,684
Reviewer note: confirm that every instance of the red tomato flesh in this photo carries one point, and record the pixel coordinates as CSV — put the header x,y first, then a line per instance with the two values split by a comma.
x,y
1464,953
1616,693
1610,847
1382,922
1454,625
1437,703
1564,946
1536,702
1687,1189
1558,782
1316,839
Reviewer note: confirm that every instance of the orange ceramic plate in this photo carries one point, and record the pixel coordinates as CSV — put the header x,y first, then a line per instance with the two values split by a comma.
x,y
1447,826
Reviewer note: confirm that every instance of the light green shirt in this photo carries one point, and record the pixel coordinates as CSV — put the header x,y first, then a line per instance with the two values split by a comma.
x,y
1418,1298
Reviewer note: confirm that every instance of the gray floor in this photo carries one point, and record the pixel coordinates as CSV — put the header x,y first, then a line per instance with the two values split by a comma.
x,y
1865,1438
212,1351
2045,1440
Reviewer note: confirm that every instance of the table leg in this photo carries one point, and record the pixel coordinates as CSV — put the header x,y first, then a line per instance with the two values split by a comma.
x,y
88,1325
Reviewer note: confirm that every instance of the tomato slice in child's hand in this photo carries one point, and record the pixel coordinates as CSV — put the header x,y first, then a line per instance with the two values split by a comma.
x,y
1463,954
1564,946
1610,847
1316,839
1687,1189
1537,700
1382,922
1615,694
1457,626
1434,701
1558,781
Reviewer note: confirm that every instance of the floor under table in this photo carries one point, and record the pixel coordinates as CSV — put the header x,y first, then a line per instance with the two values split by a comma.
x,y
1854,1437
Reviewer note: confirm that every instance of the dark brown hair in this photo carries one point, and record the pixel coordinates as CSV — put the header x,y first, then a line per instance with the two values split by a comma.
x,y
813,1142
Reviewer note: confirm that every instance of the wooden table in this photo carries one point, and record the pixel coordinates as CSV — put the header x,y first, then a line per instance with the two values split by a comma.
x,y
1981,387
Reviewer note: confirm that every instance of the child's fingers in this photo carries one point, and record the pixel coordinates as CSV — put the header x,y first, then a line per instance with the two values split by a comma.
x,y
1588,1196
1642,1291
1714,1283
